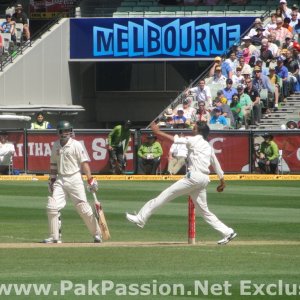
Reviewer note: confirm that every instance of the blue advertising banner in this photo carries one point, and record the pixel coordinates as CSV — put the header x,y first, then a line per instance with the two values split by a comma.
x,y
154,38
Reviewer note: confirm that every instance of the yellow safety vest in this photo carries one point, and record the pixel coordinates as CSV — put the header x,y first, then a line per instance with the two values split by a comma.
x,y
35,125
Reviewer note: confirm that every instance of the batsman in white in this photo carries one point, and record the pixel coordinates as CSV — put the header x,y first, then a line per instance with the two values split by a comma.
x,y
200,156
68,159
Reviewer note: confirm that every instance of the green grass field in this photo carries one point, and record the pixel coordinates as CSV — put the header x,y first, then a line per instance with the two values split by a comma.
x,y
264,256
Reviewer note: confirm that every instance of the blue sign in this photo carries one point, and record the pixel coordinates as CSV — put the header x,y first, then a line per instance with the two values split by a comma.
x,y
154,38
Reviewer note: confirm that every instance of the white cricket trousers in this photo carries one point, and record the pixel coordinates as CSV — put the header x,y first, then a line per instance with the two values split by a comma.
x,y
193,184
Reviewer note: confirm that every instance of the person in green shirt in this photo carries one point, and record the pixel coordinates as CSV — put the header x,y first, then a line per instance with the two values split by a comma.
x,y
268,155
118,140
246,105
236,109
149,154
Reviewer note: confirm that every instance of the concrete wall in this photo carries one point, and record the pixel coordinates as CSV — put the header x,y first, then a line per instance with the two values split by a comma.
x,y
41,75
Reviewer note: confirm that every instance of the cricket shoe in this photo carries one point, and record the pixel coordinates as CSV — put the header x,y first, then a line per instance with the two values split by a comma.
x,y
51,240
227,238
135,219
97,238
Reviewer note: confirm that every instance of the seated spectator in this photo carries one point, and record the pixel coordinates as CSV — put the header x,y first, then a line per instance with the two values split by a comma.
x,y
294,19
188,111
273,45
246,105
149,154
177,158
20,17
268,155
232,61
7,151
217,117
257,38
246,69
280,32
40,122
291,62
236,109
220,96
8,26
218,78
225,111
291,125
247,48
257,23
202,114
202,92
179,120
286,24
238,78
228,91
288,43
226,69
285,10
272,24
266,54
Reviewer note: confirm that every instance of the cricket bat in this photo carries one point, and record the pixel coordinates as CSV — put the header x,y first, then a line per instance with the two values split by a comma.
x,y
101,218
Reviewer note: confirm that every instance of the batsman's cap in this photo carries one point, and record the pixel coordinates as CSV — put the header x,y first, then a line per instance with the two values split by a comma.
x,y
151,136
218,68
240,87
217,58
64,125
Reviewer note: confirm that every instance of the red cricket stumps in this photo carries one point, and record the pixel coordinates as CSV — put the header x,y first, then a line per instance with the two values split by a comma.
x,y
192,222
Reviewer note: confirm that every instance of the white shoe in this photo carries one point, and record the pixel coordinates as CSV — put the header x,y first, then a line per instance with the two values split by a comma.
x,y
51,240
97,238
227,238
135,219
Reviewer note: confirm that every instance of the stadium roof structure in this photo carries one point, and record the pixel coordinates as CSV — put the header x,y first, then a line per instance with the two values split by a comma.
x,y
55,109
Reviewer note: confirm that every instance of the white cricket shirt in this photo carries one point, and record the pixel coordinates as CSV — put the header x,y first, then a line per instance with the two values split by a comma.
x,y
69,157
7,150
200,155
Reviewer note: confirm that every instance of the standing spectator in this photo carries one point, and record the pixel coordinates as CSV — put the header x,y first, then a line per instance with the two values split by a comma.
x,y
254,96
149,154
283,73
7,151
40,122
268,155
177,158
246,105
118,141
202,92
8,26
293,68
229,90
20,17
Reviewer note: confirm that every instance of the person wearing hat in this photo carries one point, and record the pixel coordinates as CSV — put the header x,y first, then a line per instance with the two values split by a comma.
x,y
188,111
8,26
247,48
226,69
225,111
285,10
179,120
257,38
246,105
268,155
294,18
149,154
283,73
20,17
246,69
217,118
118,141
257,23
7,151
218,77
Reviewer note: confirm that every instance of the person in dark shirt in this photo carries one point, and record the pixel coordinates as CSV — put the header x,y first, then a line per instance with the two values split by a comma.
x,y
254,95
20,17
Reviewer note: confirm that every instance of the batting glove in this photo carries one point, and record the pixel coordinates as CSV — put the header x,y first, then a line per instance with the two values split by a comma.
x,y
92,185
50,184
